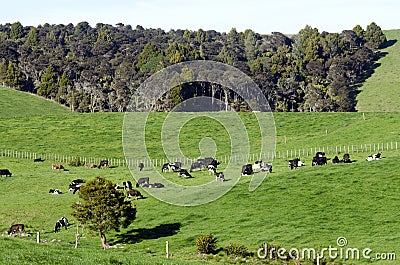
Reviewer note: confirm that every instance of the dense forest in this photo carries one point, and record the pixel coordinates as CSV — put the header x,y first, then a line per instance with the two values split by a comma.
x,y
98,68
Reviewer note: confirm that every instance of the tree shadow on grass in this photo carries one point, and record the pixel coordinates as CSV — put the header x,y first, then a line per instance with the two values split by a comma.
x,y
138,235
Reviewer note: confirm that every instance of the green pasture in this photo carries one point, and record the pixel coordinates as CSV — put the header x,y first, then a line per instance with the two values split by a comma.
x,y
381,92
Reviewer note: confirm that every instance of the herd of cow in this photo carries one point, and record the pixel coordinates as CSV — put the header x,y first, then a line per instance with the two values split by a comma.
x,y
208,163
320,159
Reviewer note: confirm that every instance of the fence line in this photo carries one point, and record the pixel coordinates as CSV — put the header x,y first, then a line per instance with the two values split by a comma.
x,y
281,154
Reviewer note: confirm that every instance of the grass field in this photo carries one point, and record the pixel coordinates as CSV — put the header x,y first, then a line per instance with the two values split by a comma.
x,y
305,208
381,91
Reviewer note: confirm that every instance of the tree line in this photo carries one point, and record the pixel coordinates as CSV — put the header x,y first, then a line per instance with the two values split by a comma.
x,y
99,68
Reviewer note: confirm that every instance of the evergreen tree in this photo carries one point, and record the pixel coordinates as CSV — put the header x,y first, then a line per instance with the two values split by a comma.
x,y
48,83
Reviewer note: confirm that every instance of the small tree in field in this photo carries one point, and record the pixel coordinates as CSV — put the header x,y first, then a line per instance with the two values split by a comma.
x,y
103,208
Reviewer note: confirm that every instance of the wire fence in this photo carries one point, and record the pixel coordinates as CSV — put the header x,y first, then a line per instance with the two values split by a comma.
x,y
286,154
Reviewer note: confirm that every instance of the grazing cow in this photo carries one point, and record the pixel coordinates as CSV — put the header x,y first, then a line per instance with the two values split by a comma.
x,y
103,163
295,163
141,166
127,185
335,160
91,165
219,175
211,169
63,222
142,181
257,165
16,228
5,172
134,193
171,167
57,166
38,160
346,158
266,167
374,157
55,191
183,173
247,170
210,161
77,181
199,164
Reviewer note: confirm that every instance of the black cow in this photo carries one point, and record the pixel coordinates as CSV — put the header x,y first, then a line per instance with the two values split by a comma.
x,y
247,170
38,160
142,181
154,185
295,163
183,173
127,185
134,193
16,228
141,166
346,158
199,164
319,159
55,191
103,163
5,172
335,160
63,222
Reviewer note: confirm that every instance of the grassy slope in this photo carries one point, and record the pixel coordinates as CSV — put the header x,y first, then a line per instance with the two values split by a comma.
x,y
16,104
381,92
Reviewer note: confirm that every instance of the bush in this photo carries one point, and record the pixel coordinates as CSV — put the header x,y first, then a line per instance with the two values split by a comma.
x,y
206,244
76,163
237,250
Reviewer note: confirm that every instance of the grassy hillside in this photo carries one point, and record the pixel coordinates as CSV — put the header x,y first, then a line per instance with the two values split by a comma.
x,y
303,208
20,104
381,92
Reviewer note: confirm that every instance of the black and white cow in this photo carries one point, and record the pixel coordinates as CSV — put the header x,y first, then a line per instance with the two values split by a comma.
x,y
266,168
74,187
5,172
141,166
55,191
184,173
257,165
63,222
127,185
247,170
295,163
374,157
118,187
142,181
319,159
171,167
103,163
16,228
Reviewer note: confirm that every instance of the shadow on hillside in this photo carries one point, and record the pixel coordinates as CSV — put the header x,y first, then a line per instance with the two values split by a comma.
x,y
138,235
388,44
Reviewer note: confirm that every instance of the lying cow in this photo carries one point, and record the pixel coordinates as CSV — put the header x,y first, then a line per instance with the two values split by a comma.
x,y
257,165
142,181
15,228
134,193
91,165
295,163
57,166
63,222
266,168
154,185
374,157
38,160
319,159
346,158
183,173
5,172
103,163
198,165
247,170
55,191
